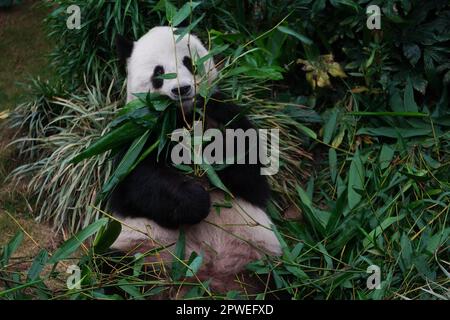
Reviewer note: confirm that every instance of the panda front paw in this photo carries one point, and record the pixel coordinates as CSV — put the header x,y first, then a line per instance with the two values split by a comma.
x,y
194,204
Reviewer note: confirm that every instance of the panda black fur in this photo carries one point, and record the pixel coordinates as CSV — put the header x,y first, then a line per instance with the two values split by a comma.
x,y
155,200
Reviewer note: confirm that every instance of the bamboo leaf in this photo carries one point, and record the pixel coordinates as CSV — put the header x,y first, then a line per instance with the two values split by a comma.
x,y
11,247
126,164
410,103
177,265
356,179
194,266
167,76
182,32
295,34
71,245
107,235
125,133
184,12
213,177
38,264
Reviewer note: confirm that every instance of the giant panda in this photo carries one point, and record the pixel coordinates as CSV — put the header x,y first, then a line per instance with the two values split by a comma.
x,y
155,201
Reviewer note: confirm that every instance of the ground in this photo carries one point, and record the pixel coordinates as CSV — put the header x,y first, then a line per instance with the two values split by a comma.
x,y
24,49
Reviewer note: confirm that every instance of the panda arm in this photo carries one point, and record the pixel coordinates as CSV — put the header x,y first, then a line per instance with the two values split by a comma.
x,y
161,194
243,180
226,114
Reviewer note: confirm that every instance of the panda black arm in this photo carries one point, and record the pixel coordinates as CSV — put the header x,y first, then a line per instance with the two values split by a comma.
x,y
161,194
226,113
243,180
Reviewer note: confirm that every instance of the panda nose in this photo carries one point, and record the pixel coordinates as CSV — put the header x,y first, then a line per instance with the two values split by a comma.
x,y
182,91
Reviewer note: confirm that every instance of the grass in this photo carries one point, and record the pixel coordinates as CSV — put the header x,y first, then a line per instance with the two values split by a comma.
x,y
65,192
376,192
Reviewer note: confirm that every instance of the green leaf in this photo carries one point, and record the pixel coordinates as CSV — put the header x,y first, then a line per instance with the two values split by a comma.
x,y
295,253
386,156
306,130
125,133
131,106
409,102
160,105
145,154
11,247
71,245
38,264
297,272
126,164
131,289
197,291
171,10
264,72
336,214
215,51
168,126
396,101
412,52
330,126
406,252
423,267
167,76
437,240
106,236
394,132
184,12
356,179
138,264
375,233
184,31
194,266
349,3
134,115
318,218
213,177
295,34
389,114
177,265
332,160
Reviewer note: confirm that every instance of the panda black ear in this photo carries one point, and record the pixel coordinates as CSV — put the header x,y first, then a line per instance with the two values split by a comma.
x,y
124,48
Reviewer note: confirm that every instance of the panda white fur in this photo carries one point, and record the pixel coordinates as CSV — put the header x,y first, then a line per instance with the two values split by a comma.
x,y
156,200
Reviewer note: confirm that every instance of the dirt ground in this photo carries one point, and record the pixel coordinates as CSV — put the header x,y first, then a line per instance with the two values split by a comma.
x,y
23,48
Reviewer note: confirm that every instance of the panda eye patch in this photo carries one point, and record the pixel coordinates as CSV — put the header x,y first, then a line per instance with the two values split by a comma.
x,y
157,82
187,61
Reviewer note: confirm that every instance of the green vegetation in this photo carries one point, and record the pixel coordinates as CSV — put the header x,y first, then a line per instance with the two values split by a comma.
x,y
365,142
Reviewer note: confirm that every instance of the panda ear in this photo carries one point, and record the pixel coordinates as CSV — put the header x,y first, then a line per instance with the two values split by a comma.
x,y
124,48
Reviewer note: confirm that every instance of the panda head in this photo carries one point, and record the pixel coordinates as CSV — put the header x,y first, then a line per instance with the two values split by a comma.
x,y
158,53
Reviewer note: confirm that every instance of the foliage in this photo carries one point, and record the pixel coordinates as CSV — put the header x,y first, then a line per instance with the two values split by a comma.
x,y
88,51
134,123
56,129
370,106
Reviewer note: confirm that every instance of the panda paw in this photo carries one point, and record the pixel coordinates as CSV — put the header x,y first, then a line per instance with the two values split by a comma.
x,y
194,205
